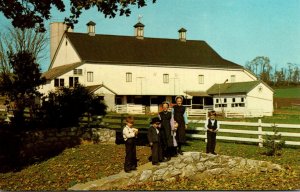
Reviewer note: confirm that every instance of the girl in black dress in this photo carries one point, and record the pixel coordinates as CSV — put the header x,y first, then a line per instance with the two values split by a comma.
x,y
180,117
166,138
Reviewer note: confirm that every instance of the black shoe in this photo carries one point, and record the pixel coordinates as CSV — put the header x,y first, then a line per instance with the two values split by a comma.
x,y
155,163
179,152
214,153
127,171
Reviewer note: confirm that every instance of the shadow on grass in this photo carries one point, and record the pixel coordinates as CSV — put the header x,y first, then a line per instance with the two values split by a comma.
x,y
14,156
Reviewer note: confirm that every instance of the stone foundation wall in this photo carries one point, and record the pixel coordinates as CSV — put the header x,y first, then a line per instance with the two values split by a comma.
x,y
31,144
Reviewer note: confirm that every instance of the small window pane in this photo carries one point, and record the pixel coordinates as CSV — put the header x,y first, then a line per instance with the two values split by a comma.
x,y
128,77
77,71
166,78
90,76
61,82
201,79
232,77
56,82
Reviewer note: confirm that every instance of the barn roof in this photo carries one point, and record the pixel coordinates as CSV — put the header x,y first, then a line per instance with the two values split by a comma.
x,y
58,71
148,51
229,88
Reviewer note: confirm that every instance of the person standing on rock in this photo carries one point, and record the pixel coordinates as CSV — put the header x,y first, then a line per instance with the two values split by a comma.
x,y
154,141
212,126
129,135
166,130
180,117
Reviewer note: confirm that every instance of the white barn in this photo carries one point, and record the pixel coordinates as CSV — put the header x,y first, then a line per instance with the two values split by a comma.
x,y
145,71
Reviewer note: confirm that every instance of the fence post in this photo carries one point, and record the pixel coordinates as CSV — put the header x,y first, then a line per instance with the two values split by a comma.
x,y
205,132
122,121
260,139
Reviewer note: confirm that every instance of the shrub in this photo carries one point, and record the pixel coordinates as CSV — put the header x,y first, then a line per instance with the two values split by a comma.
x,y
273,143
64,107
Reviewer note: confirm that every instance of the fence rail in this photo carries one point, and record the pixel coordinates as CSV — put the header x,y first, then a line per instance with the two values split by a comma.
x,y
130,108
142,109
233,130
260,133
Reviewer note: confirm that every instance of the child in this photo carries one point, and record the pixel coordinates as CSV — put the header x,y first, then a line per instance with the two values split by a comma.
x,y
154,141
211,126
129,134
166,130
180,117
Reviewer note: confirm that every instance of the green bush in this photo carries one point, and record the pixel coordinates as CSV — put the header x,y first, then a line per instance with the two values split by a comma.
x,y
273,143
64,107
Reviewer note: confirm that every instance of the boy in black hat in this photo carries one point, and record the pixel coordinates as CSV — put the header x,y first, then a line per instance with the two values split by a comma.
x,y
154,141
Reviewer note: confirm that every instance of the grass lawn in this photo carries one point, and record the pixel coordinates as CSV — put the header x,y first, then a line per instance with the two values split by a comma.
x,y
94,161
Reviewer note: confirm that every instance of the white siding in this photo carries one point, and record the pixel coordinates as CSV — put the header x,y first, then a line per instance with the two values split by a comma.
x,y
109,98
260,100
148,80
65,55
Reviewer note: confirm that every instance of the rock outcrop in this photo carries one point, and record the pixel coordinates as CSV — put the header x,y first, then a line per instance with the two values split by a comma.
x,y
190,164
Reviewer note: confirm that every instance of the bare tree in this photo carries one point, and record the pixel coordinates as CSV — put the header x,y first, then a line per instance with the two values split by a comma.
x,y
296,75
261,67
16,40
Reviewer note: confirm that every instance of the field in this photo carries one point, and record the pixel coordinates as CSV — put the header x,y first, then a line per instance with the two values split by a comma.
x,y
287,93
287,98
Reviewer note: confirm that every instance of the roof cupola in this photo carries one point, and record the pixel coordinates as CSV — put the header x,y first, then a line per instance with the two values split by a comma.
x,y
182,34
91,28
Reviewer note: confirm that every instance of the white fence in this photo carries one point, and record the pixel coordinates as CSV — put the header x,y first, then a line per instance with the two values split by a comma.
x,y
130,108
197,112
141,109
260,133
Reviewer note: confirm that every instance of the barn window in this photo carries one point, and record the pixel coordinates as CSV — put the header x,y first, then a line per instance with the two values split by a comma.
x,y
77,71
90,76
201,79
166,78
59,82
232,78
128,77
73,81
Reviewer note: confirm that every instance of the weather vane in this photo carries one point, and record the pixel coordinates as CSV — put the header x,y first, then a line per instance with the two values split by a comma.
x,y
140,17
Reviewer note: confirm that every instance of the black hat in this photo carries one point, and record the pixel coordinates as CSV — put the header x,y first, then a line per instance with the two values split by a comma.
x,y
155,120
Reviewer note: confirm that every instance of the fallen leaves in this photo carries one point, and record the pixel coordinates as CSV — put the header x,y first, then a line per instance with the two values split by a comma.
x,y
75,165
91,162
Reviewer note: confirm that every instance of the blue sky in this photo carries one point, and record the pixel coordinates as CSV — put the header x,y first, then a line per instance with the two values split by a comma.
x,y
239,30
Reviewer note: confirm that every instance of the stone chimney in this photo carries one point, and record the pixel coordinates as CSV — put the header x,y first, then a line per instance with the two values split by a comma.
x,y
139,30
182,34
57,30
91,28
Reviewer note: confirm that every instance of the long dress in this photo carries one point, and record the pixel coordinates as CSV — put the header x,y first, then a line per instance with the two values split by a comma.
x,y
167,139
178,117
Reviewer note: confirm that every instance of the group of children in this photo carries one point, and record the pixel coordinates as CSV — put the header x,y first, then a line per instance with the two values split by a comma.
x,y
166,135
